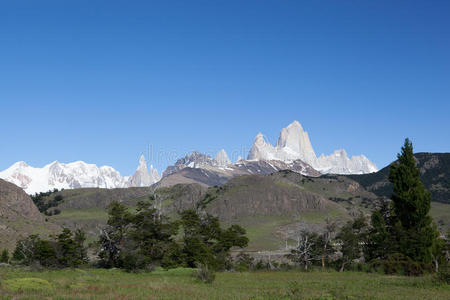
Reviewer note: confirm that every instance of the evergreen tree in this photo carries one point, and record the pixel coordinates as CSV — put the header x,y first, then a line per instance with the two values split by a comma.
x,y
151,233
381,240
45,253
410,207
70,248
112,237
351,238
79,238
25,250
206,243
4,257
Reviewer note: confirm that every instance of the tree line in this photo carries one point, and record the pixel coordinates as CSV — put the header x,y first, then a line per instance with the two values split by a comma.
x,y
139,240
44,204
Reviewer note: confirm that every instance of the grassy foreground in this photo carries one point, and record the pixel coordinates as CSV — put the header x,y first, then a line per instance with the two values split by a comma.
x,y
179,284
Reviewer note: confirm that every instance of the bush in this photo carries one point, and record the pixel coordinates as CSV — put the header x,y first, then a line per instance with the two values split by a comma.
x,y
4,257
286,267
244,262
443,275
260,265
133,262
402,265
205,274
27,284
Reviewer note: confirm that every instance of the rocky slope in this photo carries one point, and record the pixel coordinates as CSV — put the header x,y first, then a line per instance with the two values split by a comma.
x,y
204,170
19,217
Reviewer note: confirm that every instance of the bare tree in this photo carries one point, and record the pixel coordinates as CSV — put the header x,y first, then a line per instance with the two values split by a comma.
x,y
326,238
306,251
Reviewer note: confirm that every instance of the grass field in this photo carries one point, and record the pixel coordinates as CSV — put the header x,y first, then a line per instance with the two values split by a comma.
x,y
180,284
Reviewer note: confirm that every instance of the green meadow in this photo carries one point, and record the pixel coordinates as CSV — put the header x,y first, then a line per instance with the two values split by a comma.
x,y
181,284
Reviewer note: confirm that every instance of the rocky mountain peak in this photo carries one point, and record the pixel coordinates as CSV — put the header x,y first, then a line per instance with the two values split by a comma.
x,y
142,177
222,158
294,144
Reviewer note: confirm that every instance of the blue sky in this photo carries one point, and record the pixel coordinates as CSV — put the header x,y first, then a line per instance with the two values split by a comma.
x,y
100,81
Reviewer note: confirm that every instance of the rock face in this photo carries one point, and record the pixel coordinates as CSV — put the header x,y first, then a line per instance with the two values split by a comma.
x,y
75,175
142,177
19,216
294,144
204,170
222,159
195,160
14,199
260,195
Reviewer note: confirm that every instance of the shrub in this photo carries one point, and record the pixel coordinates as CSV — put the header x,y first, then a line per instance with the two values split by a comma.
x,y
27,284
286,267
400,264
132,262
205,274
244,262
260,265
443,275
4,257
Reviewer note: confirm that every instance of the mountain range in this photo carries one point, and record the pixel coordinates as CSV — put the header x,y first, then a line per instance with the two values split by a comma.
x,y
74,175
293,144
293,151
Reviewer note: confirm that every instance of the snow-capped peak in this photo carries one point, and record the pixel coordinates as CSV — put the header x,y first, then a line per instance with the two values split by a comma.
x,y
293,144
142,177
61,176
222,158
73,175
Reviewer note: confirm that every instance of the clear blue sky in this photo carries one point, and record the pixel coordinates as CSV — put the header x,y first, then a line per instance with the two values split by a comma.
x,y
99,81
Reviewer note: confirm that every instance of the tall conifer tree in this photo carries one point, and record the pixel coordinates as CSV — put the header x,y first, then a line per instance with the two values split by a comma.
x,y
411,205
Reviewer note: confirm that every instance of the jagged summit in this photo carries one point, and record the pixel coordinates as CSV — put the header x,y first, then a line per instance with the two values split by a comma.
x,y
222,158
294,143
193,160
142,177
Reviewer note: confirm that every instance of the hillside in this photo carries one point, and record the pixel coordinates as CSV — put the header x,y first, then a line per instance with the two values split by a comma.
x,y
434,170
86,208
19,217
271,207
274,207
